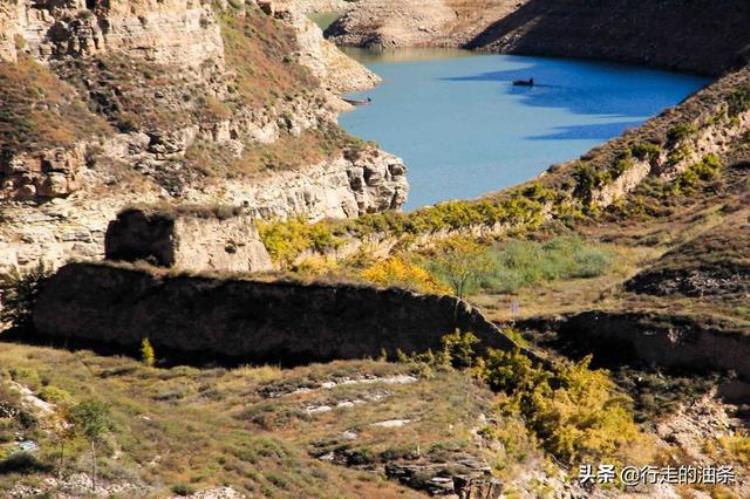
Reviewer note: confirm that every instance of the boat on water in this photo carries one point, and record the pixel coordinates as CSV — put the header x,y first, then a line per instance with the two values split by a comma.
x,y
359,102
524,83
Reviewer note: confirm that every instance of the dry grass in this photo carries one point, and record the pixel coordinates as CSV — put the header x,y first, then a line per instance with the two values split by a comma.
x,y
259,48
208,427
40,111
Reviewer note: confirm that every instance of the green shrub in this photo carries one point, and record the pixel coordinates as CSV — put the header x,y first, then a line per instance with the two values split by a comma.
x,y
706,170
576,412
286,240
458,349
24,463
182,489
588,179
460,263
55,395
519,263
646,151
738,102
681,131
148,355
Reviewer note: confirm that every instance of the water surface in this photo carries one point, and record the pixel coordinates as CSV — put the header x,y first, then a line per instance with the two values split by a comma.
x,y
465,130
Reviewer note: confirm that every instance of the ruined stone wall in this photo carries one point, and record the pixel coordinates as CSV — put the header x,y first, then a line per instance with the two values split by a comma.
x,y
661,341
187,241
247,320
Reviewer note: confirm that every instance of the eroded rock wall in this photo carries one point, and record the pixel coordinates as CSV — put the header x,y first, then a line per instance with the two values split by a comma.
x,y
183,32
660,341
247,320
188,241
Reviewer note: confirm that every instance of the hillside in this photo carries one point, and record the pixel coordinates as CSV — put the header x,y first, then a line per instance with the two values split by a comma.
x,y
251,314
104,107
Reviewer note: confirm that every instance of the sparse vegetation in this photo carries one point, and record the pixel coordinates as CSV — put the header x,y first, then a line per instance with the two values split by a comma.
x,y
681,131
518,263
460,263
646,151
40,111
90,419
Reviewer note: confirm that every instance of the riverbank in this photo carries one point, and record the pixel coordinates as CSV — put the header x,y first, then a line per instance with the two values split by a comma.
x,y
700,37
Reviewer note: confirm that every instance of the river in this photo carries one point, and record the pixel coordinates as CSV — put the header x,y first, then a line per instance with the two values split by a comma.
x,y
464,130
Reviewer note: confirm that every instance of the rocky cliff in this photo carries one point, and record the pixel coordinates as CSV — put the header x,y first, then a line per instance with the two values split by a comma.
x,y
177,101
247,320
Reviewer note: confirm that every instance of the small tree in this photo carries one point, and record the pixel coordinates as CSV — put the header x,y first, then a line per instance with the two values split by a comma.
x,y
90,420
460,263
147,353
458,349
18,293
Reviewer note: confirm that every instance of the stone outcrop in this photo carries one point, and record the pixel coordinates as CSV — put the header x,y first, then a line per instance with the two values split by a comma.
x,y
247,320
182,32
54,232
462,476
8,32
43,174
187,240
337,71
367,181
704,37
709,127
693,282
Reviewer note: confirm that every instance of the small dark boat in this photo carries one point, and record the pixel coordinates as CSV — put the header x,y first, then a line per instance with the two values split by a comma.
x,y
358,102
524,83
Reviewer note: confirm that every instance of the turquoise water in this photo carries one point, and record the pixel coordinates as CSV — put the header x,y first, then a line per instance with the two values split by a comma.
x,y
465,130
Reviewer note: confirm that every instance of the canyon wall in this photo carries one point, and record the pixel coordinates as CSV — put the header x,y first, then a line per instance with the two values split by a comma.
x,y
706,37
247,320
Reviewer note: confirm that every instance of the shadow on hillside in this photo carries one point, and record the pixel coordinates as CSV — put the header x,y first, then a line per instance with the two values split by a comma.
x,y
166,358
704,37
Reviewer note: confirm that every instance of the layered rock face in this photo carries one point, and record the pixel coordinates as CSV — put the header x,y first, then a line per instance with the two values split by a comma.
x,y
8,31
182,32
350,186
246,320
172,101
192,241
